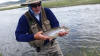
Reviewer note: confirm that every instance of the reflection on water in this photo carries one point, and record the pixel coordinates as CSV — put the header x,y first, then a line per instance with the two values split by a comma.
x,y
83,39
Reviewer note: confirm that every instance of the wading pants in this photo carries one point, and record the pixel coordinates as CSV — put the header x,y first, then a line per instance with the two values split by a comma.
x,y
50,50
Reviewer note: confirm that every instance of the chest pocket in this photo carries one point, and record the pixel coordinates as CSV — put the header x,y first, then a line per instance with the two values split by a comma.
x,y
34,28
47,25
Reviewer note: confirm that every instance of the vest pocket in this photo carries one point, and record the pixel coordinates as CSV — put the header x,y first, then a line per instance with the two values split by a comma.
x,y
47,25
34,28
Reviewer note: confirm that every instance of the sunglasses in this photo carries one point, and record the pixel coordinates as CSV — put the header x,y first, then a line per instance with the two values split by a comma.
x,y
35,5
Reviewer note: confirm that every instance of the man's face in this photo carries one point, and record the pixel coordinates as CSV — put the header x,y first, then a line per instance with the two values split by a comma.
x,y
36,7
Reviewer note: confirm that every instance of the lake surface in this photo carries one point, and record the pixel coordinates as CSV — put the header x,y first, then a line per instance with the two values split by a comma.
x,y
82,40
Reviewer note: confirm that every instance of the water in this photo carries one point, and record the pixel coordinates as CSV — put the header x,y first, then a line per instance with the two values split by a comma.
x,y
82,40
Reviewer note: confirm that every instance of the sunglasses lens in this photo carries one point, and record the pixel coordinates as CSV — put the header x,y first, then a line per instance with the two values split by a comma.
x,y
35,5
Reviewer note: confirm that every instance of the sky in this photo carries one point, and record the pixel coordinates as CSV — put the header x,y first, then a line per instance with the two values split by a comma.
x,y
2,1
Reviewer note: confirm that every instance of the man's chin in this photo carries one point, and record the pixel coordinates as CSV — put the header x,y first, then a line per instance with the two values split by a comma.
x,y
37,12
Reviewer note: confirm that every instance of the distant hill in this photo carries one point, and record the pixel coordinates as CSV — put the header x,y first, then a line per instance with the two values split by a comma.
x,y
11,3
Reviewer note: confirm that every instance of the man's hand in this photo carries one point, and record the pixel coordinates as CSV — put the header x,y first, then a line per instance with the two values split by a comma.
x,y
40,36
62,33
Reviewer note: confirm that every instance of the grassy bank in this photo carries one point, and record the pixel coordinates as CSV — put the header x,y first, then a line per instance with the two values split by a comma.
x,y
58,3
69,3
0,54
10,7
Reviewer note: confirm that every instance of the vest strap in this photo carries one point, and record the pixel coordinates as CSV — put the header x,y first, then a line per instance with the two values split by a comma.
x,y
29,19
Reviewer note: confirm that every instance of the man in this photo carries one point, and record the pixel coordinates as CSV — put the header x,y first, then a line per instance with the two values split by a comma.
x,y
33,23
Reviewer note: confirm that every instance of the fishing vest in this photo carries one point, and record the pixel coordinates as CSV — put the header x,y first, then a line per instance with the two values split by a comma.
x,y
34,27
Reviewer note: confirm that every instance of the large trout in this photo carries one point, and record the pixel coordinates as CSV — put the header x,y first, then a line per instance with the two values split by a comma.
x,y
53,33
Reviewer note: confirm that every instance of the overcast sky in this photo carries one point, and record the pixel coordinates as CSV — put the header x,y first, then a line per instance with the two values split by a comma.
x,y
2,1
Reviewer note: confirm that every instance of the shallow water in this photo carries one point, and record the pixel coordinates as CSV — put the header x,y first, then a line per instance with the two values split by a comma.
x,y
83,38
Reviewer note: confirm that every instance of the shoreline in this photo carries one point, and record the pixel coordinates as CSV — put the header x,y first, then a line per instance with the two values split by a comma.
x,y
54,4
18,6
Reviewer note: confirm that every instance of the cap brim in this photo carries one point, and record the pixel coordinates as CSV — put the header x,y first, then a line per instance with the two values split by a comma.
x,y
25,4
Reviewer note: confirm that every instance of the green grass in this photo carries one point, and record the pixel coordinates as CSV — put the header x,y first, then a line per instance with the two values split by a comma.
x,y
13,7
0,54
69,3
61,3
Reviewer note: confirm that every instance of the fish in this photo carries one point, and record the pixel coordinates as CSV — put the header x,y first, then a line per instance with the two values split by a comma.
x,y
53,33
